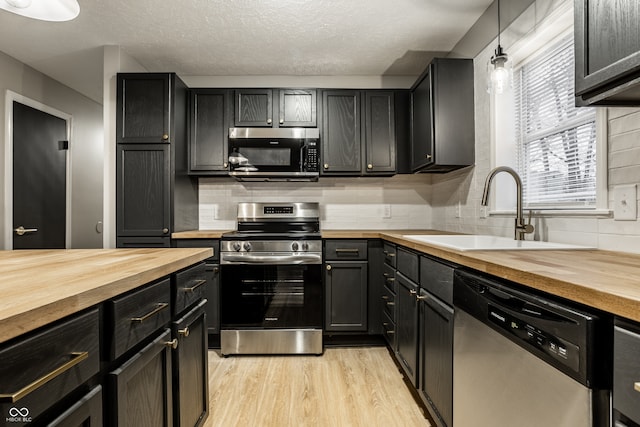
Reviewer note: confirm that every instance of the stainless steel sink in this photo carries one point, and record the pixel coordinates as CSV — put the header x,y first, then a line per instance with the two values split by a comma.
x,y
474,242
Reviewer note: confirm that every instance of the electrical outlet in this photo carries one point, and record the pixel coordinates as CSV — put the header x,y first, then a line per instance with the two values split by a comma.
x,y
386,211
483,211
625,203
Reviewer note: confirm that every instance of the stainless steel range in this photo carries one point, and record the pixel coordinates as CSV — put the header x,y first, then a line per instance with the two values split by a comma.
x,y
271,299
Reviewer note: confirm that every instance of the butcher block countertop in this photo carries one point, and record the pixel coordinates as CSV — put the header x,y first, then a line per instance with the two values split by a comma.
x,y
38,287
606,280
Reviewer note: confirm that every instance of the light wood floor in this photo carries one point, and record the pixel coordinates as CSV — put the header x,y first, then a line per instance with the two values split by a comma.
x,y
344,387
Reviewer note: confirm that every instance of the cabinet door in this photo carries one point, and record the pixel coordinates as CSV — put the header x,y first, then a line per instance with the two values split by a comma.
x,y
407,326
340,140
607,46
86,412
346,296
422,122
143,107
213,293
140,392
208,131
297,108
626,372
190,372
436,357
253,107
142,188
380,139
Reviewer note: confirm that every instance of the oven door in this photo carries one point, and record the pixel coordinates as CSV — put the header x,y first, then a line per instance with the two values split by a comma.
x,y
264,296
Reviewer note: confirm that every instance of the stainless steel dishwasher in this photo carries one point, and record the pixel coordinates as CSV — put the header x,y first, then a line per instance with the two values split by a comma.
x,y
524,359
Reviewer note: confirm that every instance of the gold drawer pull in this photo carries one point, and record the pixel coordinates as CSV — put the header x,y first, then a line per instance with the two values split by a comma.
x,y
636,386
197,284
347,250
159,307
76,357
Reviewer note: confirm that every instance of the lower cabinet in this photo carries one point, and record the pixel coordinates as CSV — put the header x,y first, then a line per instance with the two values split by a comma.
x,y
190,371
346,296
626,374
436,357
142,387
407,326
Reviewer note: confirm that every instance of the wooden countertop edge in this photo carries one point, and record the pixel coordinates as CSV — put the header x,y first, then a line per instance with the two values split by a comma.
x,y
13,326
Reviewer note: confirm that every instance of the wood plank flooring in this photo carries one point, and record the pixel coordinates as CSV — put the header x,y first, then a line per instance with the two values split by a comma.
x,y
344,387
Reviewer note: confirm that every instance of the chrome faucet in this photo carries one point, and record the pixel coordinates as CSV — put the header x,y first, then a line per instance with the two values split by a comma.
x,y
520,227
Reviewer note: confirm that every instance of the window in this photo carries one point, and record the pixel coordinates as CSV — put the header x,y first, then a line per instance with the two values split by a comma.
x,y
556,141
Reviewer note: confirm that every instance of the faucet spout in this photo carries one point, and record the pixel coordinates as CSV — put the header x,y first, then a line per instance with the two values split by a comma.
x,y
520,227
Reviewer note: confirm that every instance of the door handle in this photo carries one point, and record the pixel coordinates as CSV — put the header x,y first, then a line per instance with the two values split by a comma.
x,y
21,231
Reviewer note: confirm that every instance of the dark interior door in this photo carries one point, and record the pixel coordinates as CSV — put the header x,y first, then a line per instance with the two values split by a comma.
x,y
39,179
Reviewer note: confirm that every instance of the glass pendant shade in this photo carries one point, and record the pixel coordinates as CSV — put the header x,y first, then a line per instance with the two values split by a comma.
x,y
45,10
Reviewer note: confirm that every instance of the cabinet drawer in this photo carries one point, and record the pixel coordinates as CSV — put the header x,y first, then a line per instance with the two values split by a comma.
x,y
389,252
135,316
437,278
190,287
626,372
389,330
336,250
389,275
389,303
408,264
40,370
85,412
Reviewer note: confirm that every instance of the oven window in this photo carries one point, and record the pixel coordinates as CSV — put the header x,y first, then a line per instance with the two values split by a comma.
x,y
271,296
267,156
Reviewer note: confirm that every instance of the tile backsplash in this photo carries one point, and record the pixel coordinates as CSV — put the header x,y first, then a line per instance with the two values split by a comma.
x,y
398,202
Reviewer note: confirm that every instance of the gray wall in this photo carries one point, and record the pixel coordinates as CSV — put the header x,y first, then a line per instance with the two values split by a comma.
x,y
86,146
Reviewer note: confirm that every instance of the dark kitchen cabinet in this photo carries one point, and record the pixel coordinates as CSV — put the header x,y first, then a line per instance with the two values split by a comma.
x,y
143,190
209,122
275,108
86,412
442,117
389,293
607,52
346,285
435,360
155,196
142,387
340,140
358,132
143,104
407,326
190,372
626,372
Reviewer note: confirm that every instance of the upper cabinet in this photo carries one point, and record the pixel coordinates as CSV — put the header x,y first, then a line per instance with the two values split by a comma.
x,y
607,49
275,108
209,112
143,106
442,117
358,132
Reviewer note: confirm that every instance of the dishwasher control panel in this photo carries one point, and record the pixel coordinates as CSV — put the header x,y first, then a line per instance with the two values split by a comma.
x,y
563,351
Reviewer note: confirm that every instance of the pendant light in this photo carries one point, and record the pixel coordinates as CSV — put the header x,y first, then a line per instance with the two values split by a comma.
x,y
44,10
500,75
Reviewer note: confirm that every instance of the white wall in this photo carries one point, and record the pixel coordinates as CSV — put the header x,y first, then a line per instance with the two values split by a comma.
x,y
464,188
85,144
399,202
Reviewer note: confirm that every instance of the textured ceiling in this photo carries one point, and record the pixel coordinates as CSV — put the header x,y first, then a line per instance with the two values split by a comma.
x,y
242,37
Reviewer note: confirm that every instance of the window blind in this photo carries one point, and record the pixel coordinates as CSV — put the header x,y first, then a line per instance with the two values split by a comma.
x,y
556,140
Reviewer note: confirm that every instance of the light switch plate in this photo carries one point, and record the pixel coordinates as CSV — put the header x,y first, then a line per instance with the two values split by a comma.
x,y
625,202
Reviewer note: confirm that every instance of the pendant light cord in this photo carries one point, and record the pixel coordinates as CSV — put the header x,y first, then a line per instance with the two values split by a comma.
x,y
498,22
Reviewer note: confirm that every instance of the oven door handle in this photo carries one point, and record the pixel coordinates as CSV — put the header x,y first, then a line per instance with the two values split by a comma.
x,y
271,259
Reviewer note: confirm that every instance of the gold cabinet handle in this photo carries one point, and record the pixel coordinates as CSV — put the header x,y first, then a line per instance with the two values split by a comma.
x,y
165,137
269,121
328,267
369,166
413,292
165,230
172,344
184,332
428,156
391,303
385,297
347,251
197,284
421,297
21,231
159,307
636,386
281,121
326,165
76,357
